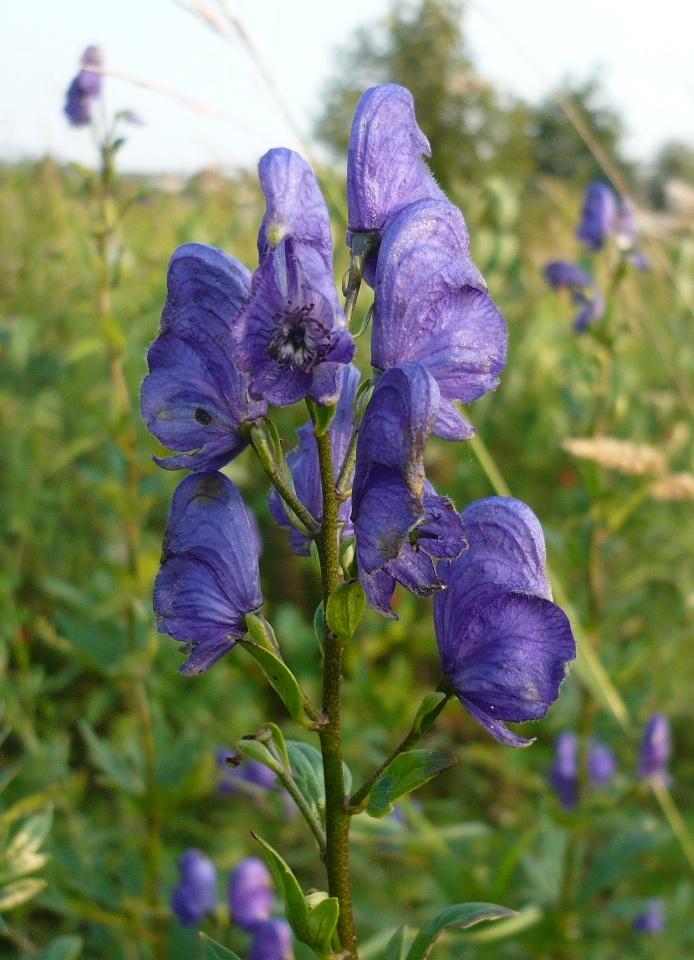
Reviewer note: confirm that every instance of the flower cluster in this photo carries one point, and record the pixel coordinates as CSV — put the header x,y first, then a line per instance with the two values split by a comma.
x,y
84,89
232,343
251,899
604,216
601,763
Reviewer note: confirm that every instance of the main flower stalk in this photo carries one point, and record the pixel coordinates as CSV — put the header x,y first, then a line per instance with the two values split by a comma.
x,y
337,819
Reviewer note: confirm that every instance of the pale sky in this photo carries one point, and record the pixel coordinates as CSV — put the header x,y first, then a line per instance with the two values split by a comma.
x,y
643,50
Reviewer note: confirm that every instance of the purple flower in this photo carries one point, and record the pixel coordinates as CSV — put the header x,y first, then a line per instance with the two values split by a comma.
x,y
196,893
655,749
84,89
652,919
250,776
599,216
564,774
385,169
208,579
584,293
399,523
291,334
250,894
303,463
602,763
272,940
195,398
431,307
504,645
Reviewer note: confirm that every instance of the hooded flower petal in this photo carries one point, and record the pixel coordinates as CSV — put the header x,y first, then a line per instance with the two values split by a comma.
x,y
209,578
385,169
251,896
504,645
399,522
295,205
292,333
599,217
272,940
602,763
561,273
195,398
196,893
305,469
431,307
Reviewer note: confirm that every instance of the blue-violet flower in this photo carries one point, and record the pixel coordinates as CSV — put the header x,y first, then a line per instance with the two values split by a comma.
x,y
272,940
584,293
599,217
209,578
195,397
385,166
84,89
652,919
251,896
504,645
196,893
400,523
431,307
292,337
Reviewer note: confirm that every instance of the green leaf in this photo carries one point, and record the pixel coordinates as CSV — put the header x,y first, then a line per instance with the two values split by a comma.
x,y
21,891
63,948
314,926
322,417
463,916
111,763
297,908
429,710
307,769
395,950
255,750
30,836
320,626
282,679
211,950
322,920
405,773
345,609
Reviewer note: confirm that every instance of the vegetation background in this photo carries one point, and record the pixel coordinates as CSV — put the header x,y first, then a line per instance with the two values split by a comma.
x,y
96,724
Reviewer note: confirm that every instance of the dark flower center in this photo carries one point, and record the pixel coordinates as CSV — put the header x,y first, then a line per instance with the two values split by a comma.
x,y
298,340
203,417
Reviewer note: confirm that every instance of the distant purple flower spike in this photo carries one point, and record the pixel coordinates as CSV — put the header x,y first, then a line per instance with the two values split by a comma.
x,y
196,893
295,205
303,463
564,773
385,169
251,896
399,522
209,579
602,763
504,645
652,919
655,749
195,398
431,307
84,89
561,273
584,293
272,940
292,333
250,776
599,215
